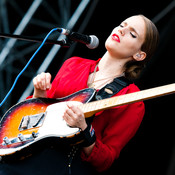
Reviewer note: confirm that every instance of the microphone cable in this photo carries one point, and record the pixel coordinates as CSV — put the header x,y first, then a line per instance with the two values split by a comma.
x,y
25,67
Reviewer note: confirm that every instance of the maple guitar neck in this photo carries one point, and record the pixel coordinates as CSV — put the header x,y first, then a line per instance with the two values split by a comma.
x,y
91,108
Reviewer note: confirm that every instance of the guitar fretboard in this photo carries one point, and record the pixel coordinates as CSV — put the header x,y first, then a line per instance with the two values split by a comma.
x,y
91,108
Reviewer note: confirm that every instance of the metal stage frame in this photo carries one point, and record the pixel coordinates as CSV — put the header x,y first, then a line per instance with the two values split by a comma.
x,y
35,17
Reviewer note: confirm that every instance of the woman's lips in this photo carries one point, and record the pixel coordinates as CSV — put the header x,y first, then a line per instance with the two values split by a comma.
x,y
115,37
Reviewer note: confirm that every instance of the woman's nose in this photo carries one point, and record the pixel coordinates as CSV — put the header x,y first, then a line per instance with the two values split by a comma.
x,y
122,31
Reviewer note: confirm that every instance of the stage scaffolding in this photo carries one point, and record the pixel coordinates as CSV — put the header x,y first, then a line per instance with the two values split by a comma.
x,y
35,18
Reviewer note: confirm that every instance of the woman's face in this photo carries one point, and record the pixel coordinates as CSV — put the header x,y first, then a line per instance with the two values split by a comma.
x,y
126,39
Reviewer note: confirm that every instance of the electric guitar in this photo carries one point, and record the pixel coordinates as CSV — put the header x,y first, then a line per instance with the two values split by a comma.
x,y
33,120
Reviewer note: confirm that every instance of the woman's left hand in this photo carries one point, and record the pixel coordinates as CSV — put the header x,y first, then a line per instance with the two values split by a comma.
x,y
74,117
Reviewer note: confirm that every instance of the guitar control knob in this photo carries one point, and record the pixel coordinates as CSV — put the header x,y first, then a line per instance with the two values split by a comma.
x,y
6,141
21,137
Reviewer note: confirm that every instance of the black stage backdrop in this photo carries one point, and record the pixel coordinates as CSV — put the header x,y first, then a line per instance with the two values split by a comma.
x,y
151,150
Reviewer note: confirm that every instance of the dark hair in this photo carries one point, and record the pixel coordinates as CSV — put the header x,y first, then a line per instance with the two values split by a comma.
x,y
134,68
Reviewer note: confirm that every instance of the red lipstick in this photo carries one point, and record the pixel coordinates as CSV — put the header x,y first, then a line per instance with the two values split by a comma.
x,y
115,37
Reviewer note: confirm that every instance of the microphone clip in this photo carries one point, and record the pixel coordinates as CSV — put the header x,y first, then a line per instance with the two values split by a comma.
x,y
65,42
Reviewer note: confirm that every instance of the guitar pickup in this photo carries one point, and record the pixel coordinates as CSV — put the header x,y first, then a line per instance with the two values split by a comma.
x,y
31,121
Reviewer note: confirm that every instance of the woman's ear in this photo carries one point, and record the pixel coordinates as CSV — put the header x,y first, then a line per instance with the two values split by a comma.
x,y
139,56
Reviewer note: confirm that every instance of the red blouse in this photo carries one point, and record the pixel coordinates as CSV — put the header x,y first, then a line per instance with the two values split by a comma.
x,y
113,127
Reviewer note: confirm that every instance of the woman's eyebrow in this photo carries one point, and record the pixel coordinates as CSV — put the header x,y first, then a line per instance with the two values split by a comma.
x,y
131,28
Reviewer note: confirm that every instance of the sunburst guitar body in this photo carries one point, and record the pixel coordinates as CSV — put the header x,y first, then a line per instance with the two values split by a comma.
x,y
35,119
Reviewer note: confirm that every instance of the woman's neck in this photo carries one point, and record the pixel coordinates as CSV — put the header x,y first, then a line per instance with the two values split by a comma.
x,y
109,68
113,66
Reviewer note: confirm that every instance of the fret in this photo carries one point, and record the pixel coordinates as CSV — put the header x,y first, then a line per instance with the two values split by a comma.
x,y
119,99
131,97
103,103
98,106
86,107
141,95
89,106
158,91
170,87
134,96
94,104
124,99
114,100
154,92
146,94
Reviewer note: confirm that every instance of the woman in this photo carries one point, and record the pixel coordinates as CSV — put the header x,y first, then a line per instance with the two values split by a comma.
x,y
129,47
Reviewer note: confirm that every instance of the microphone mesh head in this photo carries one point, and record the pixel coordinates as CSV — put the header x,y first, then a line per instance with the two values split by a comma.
x,y
94,42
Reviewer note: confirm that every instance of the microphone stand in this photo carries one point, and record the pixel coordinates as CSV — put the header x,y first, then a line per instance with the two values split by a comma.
x,y
63,42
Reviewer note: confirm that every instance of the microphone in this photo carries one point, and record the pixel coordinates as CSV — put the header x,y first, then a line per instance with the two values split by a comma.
x,y
90,41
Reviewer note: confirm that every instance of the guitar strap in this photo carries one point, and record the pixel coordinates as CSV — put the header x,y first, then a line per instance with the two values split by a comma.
x,y
112,88
109,90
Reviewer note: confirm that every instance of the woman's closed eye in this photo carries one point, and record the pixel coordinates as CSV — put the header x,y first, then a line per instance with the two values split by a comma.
x,y
134,36
131,33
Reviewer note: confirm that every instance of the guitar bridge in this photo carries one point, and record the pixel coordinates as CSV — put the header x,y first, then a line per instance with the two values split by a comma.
x,y
31,121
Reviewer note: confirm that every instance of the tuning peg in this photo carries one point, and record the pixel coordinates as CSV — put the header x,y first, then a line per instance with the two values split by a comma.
x,y
6,141
21,137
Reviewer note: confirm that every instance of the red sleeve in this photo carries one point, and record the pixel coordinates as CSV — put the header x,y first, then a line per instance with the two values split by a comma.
x,y
61,72
121,124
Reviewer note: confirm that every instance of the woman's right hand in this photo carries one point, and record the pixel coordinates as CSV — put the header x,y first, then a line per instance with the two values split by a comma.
x,y
42,83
